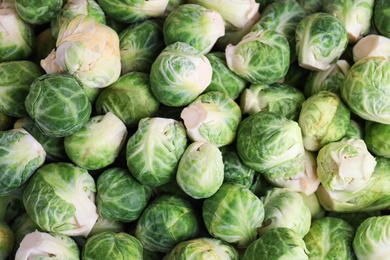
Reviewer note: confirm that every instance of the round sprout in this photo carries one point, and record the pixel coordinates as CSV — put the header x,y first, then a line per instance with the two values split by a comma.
x,y
370,46
7,239
376,137
112,245
167,221
320,40
381,17
120,197
58,104
38,12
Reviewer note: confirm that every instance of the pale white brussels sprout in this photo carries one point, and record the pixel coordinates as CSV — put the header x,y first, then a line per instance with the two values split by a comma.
x,y
200,170
376,137
60,197
21,155
366,89
355,15
88,50
330,238
195,25
345,165
276,244
262,56
320,40
381,17
324,118
7,239
42,245
179,74
38,12
285,208
212,117
370,46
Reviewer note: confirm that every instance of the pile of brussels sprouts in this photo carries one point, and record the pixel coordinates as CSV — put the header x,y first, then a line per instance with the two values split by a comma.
x,y
194,129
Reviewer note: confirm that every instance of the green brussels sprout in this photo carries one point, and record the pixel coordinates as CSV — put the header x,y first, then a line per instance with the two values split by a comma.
x,y
104,225
53,146
224,80
366,89
120,197
381,17
355,15
140,44
370,46
97,143
262,56
203,248
233,214
345,165
11,205
374,196
38,12
320,40
376,138
279,98
179,74
372,238
195,25
21,154
311,6
6,122
60,197
154,150
285,208
200,170
130,98
88,50
167,221
110,245
277,243
330,238
324,118
42,245
58,104
15,89
212,117
130,11
17,39
75,7
7,239
266,139
312,202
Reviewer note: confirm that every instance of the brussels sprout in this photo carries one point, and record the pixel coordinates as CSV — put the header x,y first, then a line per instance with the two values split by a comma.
x,y
320,40
139,45
21,155
75,7
377,138
266,139
41,245
330,238
233,214
58,104
279,98
120,197
323,119
212,117
130,98
110,245
200,170
312,202
7,239
311,6
381,17
93,57
262,56
371,46
21,226
179,74
11,205
372,238
203,248
60,197
17,38
167,221
106,225
13,90
277,243
345,165
38,12
194,25
355,15
224,80
366,89
130,11
285,208
153,152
